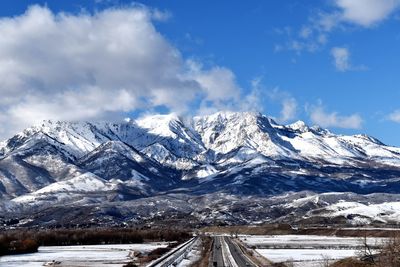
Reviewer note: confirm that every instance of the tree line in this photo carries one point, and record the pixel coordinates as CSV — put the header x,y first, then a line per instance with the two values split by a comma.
x,y
26,241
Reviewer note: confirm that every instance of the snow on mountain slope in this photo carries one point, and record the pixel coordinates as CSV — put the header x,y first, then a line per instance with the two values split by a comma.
x,y
115,160
237,155
326,147
339,149
38,161
226,131
109,148
76,139
374,149
86,182
3,148
18,177
359,213
228,141
170,141
85,188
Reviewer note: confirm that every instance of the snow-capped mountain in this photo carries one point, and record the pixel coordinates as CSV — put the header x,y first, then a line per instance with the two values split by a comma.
x,y
227,157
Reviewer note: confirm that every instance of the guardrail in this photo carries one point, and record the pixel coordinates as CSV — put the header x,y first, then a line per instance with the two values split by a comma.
x,y
175,256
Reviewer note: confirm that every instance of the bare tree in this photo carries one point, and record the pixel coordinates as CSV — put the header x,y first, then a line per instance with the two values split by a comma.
x,y
365,253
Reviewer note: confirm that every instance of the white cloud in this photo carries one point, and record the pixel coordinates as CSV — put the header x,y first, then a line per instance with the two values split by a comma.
x,y
218,83
96,66
288,103
394,116
252,101
342,60
305,32
341,57
319,116
313,35
366,12
289,109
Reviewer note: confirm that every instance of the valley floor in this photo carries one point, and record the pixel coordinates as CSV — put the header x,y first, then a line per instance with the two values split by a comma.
x,y
309,250
217,249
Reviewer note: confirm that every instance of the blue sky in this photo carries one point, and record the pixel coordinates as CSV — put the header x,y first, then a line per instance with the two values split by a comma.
x,y
334,63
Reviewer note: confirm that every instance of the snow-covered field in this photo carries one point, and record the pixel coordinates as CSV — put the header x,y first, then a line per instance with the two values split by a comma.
x,y
90,255
306,257
307,250
307,241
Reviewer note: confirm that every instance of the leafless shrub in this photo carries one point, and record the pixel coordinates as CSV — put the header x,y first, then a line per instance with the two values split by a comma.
x,y
389,256
326,261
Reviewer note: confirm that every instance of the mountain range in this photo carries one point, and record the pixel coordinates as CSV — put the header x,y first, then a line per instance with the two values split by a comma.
x,y
225,168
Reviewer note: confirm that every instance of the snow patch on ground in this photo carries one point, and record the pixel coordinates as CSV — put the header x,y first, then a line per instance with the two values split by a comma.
x,y
306,257
89,255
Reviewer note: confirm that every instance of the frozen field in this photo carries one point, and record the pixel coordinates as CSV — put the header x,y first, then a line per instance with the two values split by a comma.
x,y
91,255
307,250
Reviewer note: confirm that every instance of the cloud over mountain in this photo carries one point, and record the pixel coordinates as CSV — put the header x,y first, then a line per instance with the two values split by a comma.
x,y
93,66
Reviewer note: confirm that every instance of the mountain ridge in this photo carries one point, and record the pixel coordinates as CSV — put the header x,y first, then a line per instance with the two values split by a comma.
x,y
230,154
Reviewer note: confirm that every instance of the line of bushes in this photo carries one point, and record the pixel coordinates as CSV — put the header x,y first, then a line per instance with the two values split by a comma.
x,y
9,246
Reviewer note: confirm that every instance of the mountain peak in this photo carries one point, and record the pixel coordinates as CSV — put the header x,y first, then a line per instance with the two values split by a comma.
x,y
228,115
192,141
154,118
299,126
369,139
242,153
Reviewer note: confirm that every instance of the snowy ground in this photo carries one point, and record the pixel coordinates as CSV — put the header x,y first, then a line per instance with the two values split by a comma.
x,y
307,250
307,241
306,257
91,255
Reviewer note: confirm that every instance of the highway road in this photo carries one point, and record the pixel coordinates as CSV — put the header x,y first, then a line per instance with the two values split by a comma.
x,y
227,253
237,254
217,257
